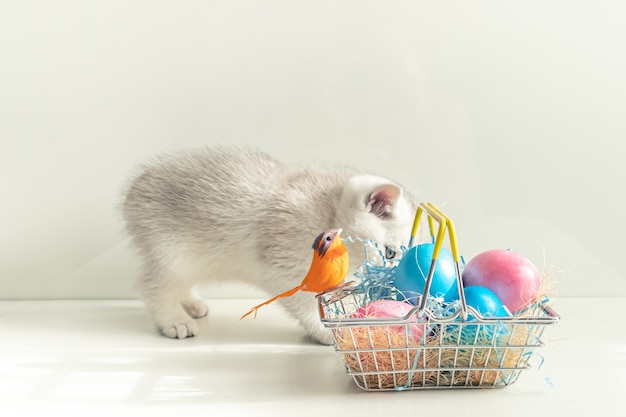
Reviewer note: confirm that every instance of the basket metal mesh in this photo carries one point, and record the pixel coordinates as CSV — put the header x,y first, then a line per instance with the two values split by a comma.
x,y
384,355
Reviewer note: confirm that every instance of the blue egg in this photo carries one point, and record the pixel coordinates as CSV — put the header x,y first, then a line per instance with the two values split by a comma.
x,y
487,304
484,301
412,272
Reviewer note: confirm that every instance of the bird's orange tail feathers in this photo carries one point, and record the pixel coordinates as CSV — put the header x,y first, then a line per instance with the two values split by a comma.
x,y
271,300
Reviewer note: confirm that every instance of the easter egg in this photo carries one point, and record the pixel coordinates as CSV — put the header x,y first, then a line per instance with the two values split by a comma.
x,y
487,304
484,301
392,309
412,272
512,276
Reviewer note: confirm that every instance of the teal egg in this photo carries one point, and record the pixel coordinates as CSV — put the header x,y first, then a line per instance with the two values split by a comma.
x,y
412,272
484,301
487,304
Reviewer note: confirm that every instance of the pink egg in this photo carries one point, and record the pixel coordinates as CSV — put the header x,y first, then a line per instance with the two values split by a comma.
x,y
513,277
392,309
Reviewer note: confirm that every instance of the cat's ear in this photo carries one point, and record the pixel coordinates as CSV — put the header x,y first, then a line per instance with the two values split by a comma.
x,y
382,201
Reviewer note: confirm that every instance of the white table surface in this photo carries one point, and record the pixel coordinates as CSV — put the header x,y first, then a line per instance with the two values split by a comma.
x,y
104,358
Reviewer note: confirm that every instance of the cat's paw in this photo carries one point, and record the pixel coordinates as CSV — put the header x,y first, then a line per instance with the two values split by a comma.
x,y
179,329
196,308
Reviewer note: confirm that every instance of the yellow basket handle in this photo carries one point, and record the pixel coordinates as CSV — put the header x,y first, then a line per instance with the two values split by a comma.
x,y
445,223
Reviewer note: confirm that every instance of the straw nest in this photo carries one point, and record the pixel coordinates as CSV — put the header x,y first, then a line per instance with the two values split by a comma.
x,y
384,357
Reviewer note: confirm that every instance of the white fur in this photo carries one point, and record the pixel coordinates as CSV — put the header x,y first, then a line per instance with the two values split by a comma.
x,y
239,215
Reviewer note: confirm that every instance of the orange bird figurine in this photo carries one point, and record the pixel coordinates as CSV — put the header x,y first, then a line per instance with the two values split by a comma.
x,y
328,268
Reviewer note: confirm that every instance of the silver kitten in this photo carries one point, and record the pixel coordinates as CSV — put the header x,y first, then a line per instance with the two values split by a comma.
x,y
239,215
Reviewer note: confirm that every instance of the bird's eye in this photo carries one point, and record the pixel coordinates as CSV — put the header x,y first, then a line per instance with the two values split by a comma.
x,y
389,253
328,238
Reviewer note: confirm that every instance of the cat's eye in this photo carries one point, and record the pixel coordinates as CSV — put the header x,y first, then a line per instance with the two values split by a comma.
x,y
389,253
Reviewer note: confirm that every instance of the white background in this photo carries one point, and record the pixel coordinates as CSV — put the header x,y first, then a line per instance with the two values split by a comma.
x,y
511,116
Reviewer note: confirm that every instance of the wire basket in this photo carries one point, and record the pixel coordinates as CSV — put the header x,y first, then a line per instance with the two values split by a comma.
x,y
434,345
